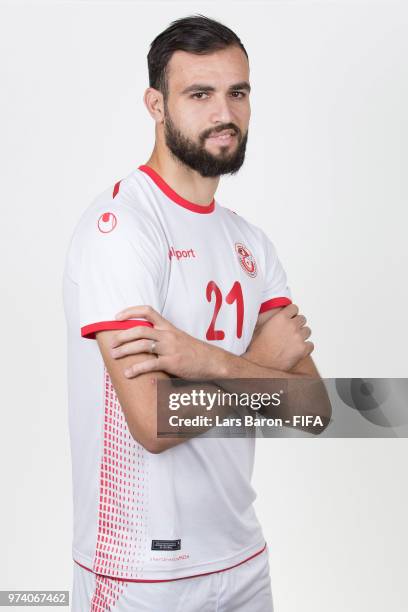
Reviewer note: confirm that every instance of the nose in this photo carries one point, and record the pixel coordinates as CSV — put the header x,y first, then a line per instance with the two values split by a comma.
x,y
221,111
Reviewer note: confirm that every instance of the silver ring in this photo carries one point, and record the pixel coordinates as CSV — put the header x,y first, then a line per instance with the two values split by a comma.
x,y
153,346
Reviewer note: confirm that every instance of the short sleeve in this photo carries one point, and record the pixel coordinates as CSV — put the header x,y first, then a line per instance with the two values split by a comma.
x,y
121,265
276,291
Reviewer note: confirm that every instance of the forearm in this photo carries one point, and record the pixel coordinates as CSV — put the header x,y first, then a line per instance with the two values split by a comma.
x,y
305,392
245,366
226,369
178,431
276,346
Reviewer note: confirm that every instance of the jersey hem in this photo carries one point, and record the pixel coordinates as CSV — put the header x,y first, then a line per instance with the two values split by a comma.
x,y
151,576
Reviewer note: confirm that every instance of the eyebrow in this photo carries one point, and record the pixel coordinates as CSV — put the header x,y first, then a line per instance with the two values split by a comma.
x,y
201,87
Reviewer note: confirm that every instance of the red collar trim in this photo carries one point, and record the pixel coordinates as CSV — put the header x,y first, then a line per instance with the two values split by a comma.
x,y
161,183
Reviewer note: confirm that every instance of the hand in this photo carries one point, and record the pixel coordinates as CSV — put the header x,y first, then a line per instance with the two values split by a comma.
x,y
176,352
280,342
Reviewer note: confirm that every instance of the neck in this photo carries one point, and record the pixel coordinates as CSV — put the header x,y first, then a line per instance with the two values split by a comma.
x,y
188,183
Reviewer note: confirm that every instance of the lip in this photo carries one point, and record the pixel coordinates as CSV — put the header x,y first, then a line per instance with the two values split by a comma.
x,y
224,137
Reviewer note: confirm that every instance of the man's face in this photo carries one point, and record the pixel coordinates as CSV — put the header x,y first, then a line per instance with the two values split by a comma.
x,y
207,110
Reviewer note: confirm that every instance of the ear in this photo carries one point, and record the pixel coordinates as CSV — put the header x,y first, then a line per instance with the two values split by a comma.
x,y
153,99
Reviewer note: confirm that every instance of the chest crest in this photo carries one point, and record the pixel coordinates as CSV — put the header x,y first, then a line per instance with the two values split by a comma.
x,y
246,259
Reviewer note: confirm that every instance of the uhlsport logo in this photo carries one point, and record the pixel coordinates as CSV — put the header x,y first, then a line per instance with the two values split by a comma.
x,y
246,259
107,222
181,253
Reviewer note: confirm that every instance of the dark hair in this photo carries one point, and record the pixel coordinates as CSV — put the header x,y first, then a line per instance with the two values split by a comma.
x,y
195,34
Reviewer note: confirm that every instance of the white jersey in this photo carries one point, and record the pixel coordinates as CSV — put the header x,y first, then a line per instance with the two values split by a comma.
x,y
188,510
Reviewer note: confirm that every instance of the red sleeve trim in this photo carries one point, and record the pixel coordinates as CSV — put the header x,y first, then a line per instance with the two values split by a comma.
x,y
88,331
274,303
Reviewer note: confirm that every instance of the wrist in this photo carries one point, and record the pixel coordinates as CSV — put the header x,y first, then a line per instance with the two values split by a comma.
x,y
219,363
265,361
229,365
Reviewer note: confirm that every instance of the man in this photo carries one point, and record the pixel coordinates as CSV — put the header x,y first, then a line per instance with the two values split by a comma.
x,y
168,524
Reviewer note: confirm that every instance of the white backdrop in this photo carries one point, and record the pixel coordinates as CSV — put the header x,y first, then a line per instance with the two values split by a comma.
x,y
325,176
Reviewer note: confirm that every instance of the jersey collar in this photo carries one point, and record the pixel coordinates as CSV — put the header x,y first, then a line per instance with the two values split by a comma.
x,y
170,193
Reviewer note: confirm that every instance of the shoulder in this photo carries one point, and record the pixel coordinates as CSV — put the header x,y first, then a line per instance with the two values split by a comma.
x,y
117,223
121,210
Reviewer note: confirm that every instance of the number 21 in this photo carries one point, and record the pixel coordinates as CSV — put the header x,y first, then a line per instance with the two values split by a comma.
x,y
235,295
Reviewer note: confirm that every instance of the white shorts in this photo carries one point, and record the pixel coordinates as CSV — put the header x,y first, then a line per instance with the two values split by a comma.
x,y
244,588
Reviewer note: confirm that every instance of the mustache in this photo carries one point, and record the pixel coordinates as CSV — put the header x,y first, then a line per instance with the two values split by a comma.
x,y
228,126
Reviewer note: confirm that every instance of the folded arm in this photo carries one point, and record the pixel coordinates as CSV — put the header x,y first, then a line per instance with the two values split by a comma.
x,y
183,356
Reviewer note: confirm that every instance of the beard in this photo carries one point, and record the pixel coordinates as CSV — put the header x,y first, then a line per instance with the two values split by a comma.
x,y
196,157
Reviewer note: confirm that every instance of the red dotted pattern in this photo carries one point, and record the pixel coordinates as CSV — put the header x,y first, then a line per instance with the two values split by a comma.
x,y
123,494
106,594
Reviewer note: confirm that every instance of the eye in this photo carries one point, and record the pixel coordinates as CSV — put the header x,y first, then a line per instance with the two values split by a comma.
x,y
199,95
238,94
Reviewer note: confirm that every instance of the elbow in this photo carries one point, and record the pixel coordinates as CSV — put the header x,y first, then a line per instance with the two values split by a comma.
x,y
326,409
143,429
320,406
153,446
148,440
329,412
325,418
325,415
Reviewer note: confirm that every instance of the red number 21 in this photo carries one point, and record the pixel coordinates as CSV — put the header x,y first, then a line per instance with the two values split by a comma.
x,y
235,295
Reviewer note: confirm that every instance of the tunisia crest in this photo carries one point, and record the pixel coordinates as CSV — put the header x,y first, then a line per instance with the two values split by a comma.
x,y
246,259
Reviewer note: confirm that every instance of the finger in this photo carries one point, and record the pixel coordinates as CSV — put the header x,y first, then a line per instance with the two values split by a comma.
x,y
309,347
291,310
138,346
305,332
300,320
135,333
145,311
149,365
